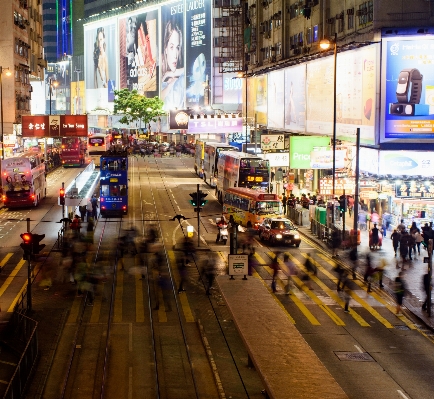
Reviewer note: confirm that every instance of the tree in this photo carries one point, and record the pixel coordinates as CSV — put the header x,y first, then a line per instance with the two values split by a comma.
x,y
134,107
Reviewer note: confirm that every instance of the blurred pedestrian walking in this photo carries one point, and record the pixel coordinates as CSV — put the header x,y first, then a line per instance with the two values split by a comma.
x,y
399,292
396,238
427,287
275,267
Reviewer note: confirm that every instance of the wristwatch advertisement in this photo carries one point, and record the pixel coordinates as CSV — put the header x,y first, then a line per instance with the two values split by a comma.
x,y
409,86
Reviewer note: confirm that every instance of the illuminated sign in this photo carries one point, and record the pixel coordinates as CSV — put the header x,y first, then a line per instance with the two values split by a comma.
x,y
406,163
300,148
407,89
255,178
347,184
415,189
54,125
272,142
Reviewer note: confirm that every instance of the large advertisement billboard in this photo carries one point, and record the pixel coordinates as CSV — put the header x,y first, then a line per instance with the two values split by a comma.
x,y
198,52
295,98
276,99
139,53
100,44
257,98
59,91
356,94
410,163
300,149
408,89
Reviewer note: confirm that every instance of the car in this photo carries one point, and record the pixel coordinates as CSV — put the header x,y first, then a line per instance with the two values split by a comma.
x,y
279,230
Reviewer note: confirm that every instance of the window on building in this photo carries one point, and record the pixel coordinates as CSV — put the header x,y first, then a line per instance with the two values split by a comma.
x,y
341,23
309,35
315,33
351,21
279,48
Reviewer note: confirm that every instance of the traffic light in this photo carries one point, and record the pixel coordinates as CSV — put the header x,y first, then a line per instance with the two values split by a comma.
x,y
36,239
62,196
27,244
198,198
343,203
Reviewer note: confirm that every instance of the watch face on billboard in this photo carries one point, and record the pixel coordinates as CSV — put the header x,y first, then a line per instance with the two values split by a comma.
x,y
407,89
139,52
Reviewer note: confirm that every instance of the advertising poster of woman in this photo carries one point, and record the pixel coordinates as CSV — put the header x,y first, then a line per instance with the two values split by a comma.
x,y
101,69
295,98
172,89
198,52
138,42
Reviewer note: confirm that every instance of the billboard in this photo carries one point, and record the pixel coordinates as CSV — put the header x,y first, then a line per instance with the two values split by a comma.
x,y
295,98
276,100
198,52
138,47
257,98
300,148
356,94
60,73
100,54
407,89
410,163
54,125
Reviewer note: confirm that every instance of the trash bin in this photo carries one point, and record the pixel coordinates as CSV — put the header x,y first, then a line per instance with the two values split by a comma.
x,y
321,215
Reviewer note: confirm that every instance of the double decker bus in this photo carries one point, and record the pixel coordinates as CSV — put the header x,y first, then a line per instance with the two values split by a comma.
x,y
98,145
114,184
23,180
198,156
249,207
210,159
73,151
240,169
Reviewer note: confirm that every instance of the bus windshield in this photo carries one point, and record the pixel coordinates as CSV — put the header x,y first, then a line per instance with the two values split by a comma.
x,y
265,207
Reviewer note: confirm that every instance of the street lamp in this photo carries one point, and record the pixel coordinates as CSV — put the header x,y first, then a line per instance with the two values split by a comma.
x,y
7,73
325,45
52,83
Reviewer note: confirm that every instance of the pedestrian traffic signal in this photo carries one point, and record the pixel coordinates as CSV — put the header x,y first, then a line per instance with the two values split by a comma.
x,y
27,244
62,196
198,198
343,203
36,239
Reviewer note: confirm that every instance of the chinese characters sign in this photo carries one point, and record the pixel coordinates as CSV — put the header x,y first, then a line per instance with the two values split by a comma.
x,y
347,184
54,125
272,142
415,189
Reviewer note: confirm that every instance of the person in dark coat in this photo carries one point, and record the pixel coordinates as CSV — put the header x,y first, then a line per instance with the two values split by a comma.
x,y
399,292
403,245
396,237
284,202
336,243
427,286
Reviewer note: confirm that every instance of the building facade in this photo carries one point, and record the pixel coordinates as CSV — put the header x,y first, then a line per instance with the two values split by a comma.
x,y
22,54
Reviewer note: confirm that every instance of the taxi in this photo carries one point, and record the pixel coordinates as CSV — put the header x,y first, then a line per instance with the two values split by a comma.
x,y
279,231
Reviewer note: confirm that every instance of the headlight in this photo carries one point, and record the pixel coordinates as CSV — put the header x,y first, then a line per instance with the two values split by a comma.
x,y
296,237
278,236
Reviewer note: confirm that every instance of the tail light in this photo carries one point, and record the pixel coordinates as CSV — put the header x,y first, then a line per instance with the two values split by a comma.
x,y
63,161
102,199
103,207
32,196
4,198
124,207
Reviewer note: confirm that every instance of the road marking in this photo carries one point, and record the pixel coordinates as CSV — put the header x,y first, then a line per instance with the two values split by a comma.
x,y
331,293
5,260
11,276
358,349
402,394
140,307
256,275
356,297
117,313
391,308
313,320
186,309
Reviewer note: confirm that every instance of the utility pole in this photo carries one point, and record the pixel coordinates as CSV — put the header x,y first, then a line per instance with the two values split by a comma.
x,y
198,216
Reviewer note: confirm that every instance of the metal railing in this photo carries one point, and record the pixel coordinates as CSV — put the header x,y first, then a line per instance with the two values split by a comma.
x,y
24,329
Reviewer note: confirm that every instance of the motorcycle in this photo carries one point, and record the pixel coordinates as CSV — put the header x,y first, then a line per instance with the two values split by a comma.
x,y
222,235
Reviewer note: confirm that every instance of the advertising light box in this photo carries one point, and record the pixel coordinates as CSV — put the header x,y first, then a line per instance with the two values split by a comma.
x,y
300,148
276,100
295,98
257,99
163,51
408,89
356,94
409,163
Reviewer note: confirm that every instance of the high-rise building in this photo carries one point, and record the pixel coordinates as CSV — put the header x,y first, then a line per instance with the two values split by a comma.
x,y
21,54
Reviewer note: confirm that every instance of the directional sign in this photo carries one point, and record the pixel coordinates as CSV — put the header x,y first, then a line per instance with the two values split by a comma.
x,y
238,265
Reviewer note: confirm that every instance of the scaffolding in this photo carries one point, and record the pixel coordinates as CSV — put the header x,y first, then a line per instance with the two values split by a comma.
x,y
230,41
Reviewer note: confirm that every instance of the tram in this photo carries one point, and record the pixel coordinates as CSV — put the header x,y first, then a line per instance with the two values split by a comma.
x,y
113,184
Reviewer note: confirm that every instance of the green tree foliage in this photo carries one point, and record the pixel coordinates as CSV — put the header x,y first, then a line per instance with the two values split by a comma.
x,y
134,106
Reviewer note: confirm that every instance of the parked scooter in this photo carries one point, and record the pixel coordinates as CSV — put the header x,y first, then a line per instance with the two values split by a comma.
x,y
222,234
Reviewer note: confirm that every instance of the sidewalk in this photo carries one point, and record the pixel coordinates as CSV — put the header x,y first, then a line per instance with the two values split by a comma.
x,y
413,271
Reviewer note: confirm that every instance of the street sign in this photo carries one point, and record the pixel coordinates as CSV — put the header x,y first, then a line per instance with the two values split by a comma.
x,y
426,259
238,265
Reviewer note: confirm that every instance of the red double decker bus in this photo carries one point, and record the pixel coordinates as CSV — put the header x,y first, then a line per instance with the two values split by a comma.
x,y
73,151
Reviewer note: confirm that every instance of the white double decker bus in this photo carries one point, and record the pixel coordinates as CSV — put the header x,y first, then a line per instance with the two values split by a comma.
x,y
210,159
23,180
